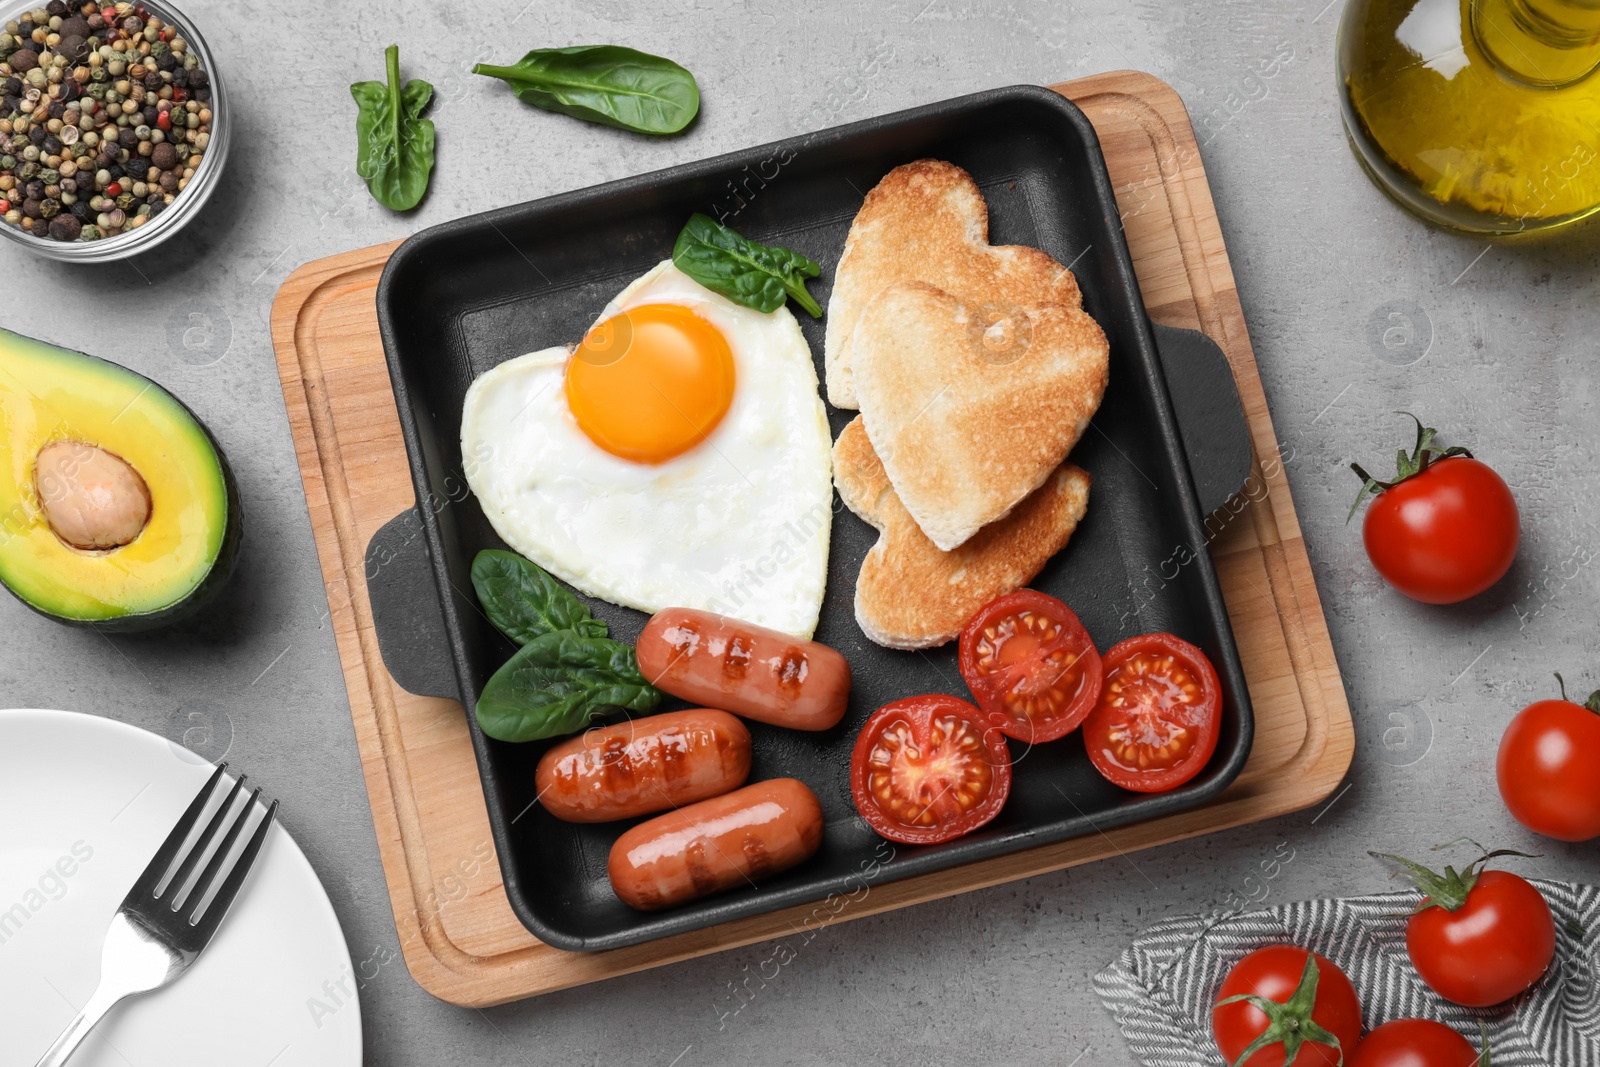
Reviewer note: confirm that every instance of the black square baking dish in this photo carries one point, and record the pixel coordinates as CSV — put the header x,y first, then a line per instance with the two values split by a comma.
x,y
459,298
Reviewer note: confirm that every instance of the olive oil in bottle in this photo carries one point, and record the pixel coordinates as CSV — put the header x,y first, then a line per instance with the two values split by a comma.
x,y
1480,116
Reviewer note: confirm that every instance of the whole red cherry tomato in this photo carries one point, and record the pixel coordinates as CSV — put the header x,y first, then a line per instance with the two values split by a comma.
x,y
1283,1004
1445,529
1479,937
1546,767
1414,1043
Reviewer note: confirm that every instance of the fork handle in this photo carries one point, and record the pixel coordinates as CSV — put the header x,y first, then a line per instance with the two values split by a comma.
x,y
100,1001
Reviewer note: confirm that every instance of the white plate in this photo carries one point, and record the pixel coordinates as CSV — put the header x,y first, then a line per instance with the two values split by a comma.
x,y
84,803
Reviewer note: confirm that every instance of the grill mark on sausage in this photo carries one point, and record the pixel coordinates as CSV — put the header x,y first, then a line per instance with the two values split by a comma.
x,y
617,768
702,873
649,896
674,746
736,660
789,670
758,861
684,640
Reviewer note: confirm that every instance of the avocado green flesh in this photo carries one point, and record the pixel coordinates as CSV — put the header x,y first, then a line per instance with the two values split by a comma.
x,y
187,547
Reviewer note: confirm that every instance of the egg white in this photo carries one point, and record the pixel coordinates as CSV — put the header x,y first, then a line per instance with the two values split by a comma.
x,y
738,524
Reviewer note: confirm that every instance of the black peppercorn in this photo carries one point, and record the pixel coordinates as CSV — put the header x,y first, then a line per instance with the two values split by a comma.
x,y
167,61
25,28
11,86
127,138
33,190
198,78
180,79
30,208
52,145
138,168
157,205
37,134
203,95
150,115
169,181
70,91
116,171
66,227
81,211
55,109
56,8
12,104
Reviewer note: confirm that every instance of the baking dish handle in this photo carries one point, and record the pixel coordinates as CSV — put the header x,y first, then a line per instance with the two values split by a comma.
x,y
406,613
1216,437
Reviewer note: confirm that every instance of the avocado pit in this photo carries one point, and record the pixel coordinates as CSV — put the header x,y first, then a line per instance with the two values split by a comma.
x,y
93,499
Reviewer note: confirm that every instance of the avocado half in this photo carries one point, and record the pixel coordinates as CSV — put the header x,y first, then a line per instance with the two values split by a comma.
x,y
117,507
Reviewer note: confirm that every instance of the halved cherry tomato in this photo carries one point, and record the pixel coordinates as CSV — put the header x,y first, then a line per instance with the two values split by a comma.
x,y
1031,665
1158,718
927,769
1299,1001
1414,1043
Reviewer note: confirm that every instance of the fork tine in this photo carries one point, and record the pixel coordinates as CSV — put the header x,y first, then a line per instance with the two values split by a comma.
x,y
208,922
192,860
151,877
219,857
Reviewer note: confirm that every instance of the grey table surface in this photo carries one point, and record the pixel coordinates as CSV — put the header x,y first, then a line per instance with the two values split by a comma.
x,y
1494,346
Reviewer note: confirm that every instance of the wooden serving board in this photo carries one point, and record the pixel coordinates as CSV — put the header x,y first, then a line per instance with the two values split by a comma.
x,y
459,936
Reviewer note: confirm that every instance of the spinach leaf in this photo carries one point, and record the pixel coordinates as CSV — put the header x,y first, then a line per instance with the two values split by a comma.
x,y
394,144
557,683
755,275
604,83
524,602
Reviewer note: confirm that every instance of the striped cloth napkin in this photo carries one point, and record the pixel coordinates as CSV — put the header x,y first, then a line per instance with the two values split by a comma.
x,y
1161,989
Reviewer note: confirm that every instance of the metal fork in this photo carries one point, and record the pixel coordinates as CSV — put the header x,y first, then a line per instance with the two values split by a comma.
x,y
159,930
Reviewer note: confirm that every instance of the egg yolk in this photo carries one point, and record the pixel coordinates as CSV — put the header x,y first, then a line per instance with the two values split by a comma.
x,y
650,383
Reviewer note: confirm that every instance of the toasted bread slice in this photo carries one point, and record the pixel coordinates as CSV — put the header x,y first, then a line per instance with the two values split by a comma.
x,y
970,418
926,221
910,594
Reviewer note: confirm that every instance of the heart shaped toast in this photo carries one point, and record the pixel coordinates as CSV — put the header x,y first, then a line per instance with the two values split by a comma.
x,y
927,221
969,413
910,594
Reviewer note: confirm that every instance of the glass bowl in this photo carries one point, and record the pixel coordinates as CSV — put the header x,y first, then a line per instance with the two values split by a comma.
x,y
187,204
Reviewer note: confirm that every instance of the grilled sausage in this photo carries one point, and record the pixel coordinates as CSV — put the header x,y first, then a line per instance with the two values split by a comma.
x,y
716,844
749,670
644,765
